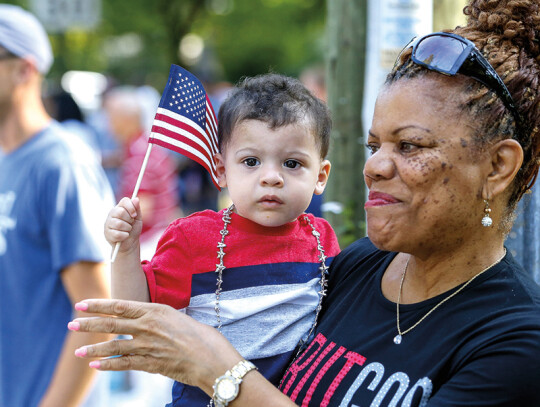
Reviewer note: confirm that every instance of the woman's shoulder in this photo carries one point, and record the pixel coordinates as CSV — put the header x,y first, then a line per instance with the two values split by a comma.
x,y
362,254
360,249
520,282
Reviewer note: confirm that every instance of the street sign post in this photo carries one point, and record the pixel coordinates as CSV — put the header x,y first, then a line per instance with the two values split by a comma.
x,y
61,15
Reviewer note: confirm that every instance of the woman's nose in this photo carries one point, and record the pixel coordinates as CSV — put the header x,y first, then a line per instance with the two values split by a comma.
x,y
379,165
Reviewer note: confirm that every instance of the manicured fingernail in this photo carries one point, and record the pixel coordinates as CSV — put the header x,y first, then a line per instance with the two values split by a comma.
x,y
74,326
81,352
81,306
95,364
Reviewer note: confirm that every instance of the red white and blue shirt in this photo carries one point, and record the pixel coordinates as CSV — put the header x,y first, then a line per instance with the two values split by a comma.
x,y
269,291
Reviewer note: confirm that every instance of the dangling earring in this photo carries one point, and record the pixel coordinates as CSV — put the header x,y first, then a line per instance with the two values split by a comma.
x,y
486,220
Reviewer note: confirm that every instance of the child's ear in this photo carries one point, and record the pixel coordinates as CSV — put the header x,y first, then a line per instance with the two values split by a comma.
x,y
220,169
324,172
506,160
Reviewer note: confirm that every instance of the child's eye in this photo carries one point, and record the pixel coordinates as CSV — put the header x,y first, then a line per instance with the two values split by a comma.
x,y
373,148
251,162
291,164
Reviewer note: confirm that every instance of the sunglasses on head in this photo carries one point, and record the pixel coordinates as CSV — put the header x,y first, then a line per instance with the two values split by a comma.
x,y
450,54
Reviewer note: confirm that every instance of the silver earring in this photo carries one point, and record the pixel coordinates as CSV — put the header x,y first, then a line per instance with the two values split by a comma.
x,y
486,220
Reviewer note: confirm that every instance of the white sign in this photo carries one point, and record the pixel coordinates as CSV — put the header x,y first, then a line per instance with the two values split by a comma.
x,y
61,15
391,25
400,21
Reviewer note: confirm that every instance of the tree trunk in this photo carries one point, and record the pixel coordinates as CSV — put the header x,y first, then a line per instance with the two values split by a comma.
x,y
345,194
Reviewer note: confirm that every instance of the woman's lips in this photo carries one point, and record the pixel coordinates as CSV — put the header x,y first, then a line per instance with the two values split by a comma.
x,y
379,199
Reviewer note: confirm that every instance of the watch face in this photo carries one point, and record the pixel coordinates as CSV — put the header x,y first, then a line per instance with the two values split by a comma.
x,y
227,389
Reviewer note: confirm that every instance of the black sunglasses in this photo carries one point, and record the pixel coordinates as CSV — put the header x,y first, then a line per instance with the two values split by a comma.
x,y
450,54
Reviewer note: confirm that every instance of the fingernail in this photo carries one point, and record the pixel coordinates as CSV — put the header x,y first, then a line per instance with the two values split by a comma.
x,y
95,364
81,306
81,352
74,326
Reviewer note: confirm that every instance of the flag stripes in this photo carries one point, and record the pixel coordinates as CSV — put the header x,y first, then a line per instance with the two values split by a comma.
x,y
185,121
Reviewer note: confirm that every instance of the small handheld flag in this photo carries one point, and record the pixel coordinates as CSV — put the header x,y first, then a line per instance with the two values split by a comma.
x,y
185,122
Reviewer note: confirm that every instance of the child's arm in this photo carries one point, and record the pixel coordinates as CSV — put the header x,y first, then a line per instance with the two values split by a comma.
x,y
124,224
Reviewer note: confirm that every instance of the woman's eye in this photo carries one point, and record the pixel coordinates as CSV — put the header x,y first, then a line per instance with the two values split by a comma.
x,y
291,164
372,148
251,162
407,147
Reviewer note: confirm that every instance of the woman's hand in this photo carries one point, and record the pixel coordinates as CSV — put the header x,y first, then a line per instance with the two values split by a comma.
x,y
165,341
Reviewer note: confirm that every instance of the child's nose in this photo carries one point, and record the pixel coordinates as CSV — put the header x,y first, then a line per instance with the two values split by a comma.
x,y
271,176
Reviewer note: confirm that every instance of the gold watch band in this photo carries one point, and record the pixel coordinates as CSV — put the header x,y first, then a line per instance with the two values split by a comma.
x,y
227,387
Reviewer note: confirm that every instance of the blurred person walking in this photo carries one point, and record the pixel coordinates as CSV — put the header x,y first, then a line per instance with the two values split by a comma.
x,y
62,107
127,109
53,199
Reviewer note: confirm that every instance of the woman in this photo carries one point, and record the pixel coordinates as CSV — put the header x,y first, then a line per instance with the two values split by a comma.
x,y
430,310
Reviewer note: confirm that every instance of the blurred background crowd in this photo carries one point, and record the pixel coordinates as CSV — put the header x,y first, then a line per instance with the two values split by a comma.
x,y
111,61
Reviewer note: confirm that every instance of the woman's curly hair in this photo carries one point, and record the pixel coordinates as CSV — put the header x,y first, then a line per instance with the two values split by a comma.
x,y
507,33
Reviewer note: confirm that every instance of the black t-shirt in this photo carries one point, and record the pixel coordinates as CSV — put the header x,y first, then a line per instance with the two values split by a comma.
x,y
480,348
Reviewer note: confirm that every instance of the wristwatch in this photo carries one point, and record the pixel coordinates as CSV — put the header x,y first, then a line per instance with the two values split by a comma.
x,y
227,387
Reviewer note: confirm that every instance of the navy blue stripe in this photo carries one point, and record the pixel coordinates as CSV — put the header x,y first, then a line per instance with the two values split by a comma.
x,y
255,276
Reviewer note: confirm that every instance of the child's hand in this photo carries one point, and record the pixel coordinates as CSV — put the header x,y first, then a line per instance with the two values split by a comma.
x,y
124,224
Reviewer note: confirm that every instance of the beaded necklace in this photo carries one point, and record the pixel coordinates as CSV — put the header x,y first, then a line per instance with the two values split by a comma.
x,y
220,267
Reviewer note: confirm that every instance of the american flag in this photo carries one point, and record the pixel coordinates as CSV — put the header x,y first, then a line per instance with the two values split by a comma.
x,y
185,121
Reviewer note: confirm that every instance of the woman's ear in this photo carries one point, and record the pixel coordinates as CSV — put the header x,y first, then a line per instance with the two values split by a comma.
x,y
324,173
220,169
506,160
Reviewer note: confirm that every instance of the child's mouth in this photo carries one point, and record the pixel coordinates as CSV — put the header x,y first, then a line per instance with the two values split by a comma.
x,y
270,200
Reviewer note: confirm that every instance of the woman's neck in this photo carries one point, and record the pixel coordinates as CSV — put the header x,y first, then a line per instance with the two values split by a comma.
x,y
429,276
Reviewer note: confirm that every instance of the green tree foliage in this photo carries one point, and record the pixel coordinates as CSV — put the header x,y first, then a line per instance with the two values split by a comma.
x,y
137,40
262,35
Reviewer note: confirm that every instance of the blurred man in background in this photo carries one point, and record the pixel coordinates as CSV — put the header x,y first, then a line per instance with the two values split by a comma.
x,y
130,111
54,198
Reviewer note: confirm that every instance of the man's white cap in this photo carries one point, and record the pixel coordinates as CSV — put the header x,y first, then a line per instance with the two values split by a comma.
x,y
23,35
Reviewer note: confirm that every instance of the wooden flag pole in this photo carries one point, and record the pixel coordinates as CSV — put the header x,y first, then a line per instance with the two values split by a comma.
x,y
135,192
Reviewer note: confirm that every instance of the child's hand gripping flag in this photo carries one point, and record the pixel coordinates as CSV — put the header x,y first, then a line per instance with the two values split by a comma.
x,y
185,122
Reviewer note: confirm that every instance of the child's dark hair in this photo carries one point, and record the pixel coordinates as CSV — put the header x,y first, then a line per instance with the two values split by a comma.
x,y
507,34
277,100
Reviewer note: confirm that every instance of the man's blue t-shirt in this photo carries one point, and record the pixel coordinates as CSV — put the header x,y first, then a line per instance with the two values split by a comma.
x,y
54,198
